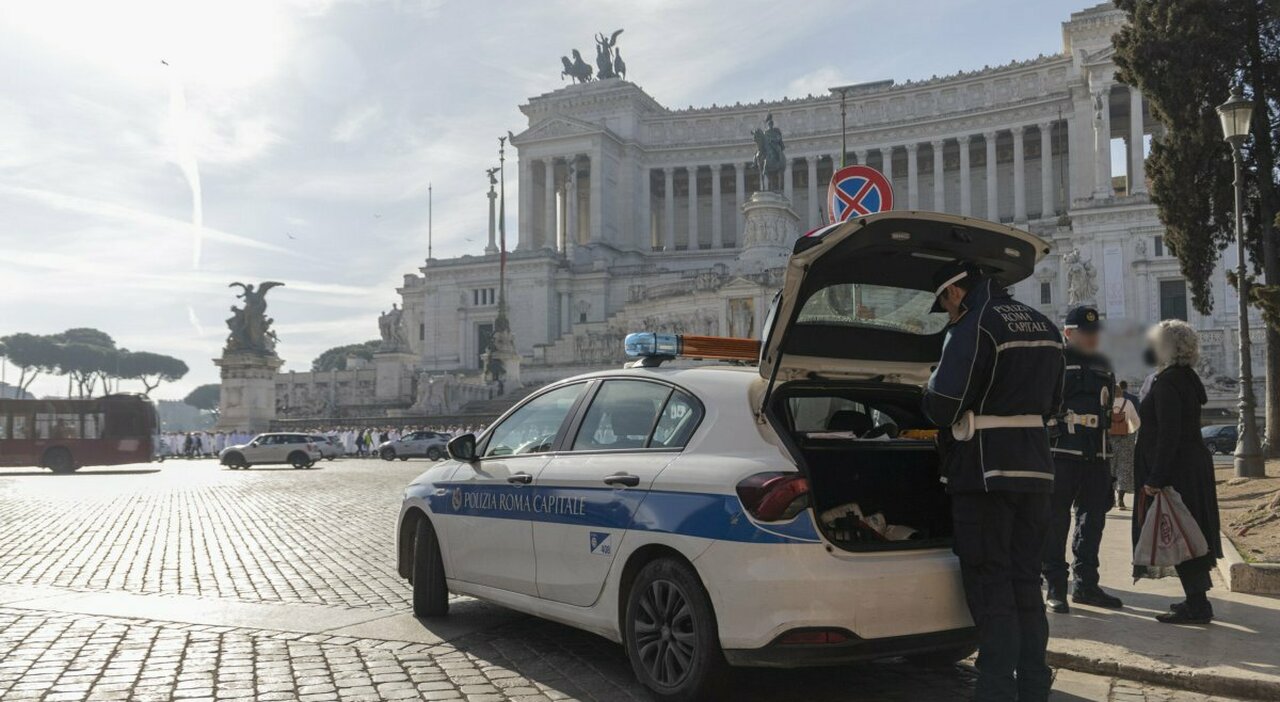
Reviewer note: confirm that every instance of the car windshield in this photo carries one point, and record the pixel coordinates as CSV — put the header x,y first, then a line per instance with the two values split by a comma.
x,y
875,306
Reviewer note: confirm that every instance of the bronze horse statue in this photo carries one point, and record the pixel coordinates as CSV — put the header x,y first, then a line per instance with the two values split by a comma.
x,y
577,69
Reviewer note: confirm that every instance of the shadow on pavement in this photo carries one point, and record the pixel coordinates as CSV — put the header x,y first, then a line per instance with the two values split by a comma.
x,y
41,472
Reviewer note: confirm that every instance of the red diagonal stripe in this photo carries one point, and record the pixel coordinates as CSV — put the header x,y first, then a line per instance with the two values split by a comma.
x,y
856,201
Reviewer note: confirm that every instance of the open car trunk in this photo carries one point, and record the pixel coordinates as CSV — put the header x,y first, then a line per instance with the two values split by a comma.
x,y
871,462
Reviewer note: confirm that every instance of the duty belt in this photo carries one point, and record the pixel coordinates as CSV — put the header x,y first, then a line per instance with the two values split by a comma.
x,y
970,423
1073,420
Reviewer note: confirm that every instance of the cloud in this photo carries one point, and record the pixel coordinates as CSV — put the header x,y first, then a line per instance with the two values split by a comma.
x,y
818,82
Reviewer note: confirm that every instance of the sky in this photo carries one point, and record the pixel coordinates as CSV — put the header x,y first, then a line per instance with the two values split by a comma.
x,y
153,151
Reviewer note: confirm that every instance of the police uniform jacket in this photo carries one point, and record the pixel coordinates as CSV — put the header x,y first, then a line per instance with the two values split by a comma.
x,y
1001,358
1086,392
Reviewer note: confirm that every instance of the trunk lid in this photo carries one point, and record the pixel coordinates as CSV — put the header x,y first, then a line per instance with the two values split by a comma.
x,y
855,301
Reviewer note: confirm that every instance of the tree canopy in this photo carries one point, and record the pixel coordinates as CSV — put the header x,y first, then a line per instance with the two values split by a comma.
x,y
204,397
89,358
336,357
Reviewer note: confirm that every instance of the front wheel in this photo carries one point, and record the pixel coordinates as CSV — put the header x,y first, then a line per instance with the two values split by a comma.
x,y
234,461
59,460
671,635
430,593
387,454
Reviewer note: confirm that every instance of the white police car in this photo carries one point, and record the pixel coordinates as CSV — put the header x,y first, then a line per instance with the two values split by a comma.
x,y
782,514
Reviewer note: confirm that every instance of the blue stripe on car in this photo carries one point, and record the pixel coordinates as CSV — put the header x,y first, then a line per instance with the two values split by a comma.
x,y
704,515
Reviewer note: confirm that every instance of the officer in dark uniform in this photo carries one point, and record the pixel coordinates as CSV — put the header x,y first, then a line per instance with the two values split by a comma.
x,y
998,381
1079,441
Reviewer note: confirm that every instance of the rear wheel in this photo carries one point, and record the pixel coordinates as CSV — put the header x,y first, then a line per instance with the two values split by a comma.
x,y
434,454
943,658
430,593
300,460
671,635
59,460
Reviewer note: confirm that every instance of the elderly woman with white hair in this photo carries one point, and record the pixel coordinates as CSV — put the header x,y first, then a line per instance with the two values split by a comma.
x,y
1171,453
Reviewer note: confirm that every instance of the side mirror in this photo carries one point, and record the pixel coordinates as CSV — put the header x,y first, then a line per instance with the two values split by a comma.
x,y
463,448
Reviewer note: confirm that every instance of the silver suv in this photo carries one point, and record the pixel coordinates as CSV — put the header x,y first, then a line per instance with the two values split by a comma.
x,y
297,450
419,444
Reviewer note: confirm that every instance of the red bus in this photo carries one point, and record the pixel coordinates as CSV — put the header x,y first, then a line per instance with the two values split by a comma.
x,y
64,435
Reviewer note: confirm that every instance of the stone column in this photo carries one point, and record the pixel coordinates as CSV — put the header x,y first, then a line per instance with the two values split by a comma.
x,y
740,190
596,189
1137,164
1019,178
492,248
693,208
787,190
525,219
966,193
1102,143
644,239
861,155
939,184
549,202
717,226
993,202
913,177
572,218
886,156
669,225
1048,201
812,162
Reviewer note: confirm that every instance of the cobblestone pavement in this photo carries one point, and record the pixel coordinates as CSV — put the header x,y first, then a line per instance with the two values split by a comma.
x,y
319,537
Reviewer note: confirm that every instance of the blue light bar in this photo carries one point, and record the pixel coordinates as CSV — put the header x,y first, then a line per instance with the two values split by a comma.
x,y
649,344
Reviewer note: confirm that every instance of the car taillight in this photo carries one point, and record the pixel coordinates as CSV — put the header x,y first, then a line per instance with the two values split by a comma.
x,y
772,497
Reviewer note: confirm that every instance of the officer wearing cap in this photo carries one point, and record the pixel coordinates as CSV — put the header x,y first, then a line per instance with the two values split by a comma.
x,y
999,380
1079,445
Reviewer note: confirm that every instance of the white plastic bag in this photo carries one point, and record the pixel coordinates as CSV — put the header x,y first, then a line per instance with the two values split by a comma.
x,y
1169,534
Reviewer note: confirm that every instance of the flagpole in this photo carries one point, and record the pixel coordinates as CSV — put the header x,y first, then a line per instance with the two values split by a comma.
x,y
429,221
502,235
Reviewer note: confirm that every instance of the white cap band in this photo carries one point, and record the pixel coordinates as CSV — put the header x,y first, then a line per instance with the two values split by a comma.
x,y
959,276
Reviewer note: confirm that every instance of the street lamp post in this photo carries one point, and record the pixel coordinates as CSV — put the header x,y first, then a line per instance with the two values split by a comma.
x,y
1236,113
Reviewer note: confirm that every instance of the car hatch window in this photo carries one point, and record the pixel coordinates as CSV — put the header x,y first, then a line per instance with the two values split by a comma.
x,y
679,418
533,427
622,416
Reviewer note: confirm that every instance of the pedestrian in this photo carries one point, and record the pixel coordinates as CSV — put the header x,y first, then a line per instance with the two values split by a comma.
x,y
1124,425
1082,471
999,379
360,444
1171,453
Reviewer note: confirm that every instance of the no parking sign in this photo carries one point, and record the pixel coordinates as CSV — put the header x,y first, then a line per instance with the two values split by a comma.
x,y
858,190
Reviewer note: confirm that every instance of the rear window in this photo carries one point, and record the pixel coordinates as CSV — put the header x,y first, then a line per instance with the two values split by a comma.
x,y
873,306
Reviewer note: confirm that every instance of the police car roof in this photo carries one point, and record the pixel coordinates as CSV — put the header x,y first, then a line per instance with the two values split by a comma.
x,y
702,379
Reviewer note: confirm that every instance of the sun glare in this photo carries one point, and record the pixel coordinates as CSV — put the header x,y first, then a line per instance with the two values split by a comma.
x,y
222,44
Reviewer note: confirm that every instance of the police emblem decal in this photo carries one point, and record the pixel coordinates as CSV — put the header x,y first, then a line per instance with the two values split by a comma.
x,y
600,543
456,501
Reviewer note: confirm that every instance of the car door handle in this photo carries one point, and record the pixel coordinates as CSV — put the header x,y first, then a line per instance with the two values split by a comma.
x,y
520,478
625,479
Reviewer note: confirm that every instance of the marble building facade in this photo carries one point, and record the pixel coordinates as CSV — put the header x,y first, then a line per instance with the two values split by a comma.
x,y
632,215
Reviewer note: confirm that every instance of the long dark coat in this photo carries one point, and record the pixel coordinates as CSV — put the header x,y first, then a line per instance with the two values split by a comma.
x,y
1171,452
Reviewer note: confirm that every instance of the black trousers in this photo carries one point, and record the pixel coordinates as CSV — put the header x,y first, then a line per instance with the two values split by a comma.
x,y
998,538
1194,576
1087,486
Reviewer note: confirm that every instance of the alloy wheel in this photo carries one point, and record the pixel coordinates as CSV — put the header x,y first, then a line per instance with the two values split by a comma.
x,y
665,633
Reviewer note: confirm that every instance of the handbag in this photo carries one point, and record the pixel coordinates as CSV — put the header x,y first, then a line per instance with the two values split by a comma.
x,y
1169,533
1119,420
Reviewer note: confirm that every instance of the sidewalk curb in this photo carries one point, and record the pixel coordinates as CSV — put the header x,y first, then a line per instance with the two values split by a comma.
x,y
1242,576
1175,677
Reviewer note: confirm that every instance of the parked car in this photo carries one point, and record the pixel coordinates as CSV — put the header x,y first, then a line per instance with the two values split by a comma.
x,y
297,450
420,444
1220,438
330,447
713,515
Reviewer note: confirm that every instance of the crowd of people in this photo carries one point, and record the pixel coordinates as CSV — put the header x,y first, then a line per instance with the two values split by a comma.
x,y
360,442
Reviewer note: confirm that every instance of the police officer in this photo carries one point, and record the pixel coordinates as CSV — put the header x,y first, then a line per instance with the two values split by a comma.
x,y
1079,441
998,381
